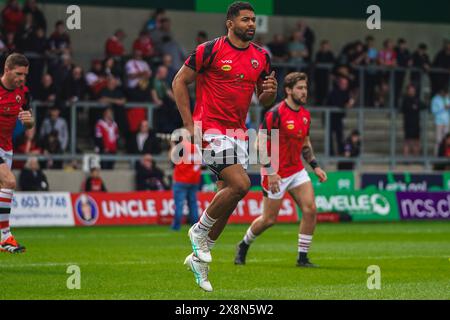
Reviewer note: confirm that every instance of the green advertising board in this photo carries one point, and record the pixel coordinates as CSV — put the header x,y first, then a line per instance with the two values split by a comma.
x,y
446,184
337,181
360,205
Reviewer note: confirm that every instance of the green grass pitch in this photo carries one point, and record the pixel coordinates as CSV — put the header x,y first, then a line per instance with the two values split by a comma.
x,y
147,263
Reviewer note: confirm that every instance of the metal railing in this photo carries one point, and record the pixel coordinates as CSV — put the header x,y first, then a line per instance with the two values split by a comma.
x,y
391,158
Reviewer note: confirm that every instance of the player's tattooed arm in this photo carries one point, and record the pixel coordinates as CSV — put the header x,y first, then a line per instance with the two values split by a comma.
x,y
308,155
308,152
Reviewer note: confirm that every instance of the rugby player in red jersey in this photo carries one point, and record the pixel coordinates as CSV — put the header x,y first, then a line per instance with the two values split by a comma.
x,y
227,70
14,104
293,121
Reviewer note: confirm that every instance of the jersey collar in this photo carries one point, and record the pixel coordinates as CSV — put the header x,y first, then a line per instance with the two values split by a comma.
x,y
233,46
3,86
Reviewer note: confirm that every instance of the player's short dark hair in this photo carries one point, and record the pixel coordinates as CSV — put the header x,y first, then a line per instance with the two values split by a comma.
x,y
16,60
236,7
292,78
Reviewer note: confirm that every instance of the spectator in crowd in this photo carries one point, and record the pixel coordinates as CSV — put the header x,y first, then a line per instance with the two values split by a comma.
x,y
145,45
74,87
61,72
46,94
387,57
106,137
339,97
201,37
259,40
26,143
59,43
280,53
440,106
308,38
55,123
167,115
352,149
420,60
12,17
442,61
50,146
114,47
167,61
173,48
148,175
163,29
36,47
94,182
403,61
113,96
32,178
411,109
138,75
24,32
157,15
31,6
322,74
95,79
444,152
186,180
370,75
146,141
298,53
111,68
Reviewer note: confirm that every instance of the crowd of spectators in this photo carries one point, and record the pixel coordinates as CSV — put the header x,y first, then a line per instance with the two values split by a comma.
x,y
144,72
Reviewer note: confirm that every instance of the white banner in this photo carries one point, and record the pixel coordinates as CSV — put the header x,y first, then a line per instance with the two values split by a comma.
x,y
41,209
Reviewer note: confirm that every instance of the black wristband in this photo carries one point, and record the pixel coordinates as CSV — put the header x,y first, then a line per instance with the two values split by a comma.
x,y
314,164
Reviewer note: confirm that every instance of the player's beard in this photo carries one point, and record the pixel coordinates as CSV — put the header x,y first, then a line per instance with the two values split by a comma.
x,y
243,35
299,102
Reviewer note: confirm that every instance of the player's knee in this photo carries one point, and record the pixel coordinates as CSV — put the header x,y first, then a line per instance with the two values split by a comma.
x,y
309,211
269,221
241,188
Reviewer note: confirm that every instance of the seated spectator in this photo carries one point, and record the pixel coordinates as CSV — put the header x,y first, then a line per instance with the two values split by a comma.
x,y
31,6
95,78
55,123
114,47
146,141
32,178
444,152
138,75
106,137
12,17
411,109
74,87
352,149
148,175
145,45
167,115
94,182
26,144
51,145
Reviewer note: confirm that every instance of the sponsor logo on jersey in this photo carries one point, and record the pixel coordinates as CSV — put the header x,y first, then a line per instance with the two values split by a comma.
x,y
290,126
226,67
226,61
